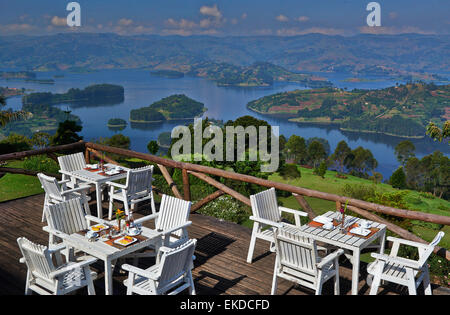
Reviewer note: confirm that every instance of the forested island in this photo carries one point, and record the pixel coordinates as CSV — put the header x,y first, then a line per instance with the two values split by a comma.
x,y
259,74
91,95
402,110
170,108
117,123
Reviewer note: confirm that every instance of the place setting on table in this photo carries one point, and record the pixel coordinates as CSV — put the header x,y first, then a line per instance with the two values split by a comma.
x,y
346,224
105,170
115,235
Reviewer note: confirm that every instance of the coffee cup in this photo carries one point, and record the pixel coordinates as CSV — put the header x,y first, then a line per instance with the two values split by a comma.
x,y
328,225
364,224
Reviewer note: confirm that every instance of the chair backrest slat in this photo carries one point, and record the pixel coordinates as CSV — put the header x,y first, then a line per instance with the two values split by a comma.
x,y
265,205
67,217
172,213
50,186
37,258
73,162
140,180
176,263
296,251
429,250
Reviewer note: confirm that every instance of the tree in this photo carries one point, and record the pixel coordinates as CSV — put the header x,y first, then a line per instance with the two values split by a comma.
x,y
153,147
118,141
316,153
295,149
66,133
290,171
341,154
398,179
321,170
436,133
325,143
15,143
361,162
414,173
404,151
377,177
41,139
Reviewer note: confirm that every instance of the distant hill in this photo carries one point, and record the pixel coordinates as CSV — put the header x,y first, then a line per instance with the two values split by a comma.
x,y
396,55
170,108
403,110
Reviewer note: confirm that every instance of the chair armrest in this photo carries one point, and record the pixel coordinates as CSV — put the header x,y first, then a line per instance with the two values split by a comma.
x,y
266,222
397,260
64,181
99,221
55,232
56,248
80,188
65,172
406,242
146,218
330,258
139,272
71,267
301,213
117,185
170,231
22,260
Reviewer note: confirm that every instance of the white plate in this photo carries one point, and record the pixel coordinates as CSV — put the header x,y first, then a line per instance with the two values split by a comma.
x,y
101,226
322,219
92,166
118,241
359,231
113,172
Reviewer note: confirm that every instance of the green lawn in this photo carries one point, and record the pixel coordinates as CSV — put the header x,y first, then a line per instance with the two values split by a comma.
x,y
14,186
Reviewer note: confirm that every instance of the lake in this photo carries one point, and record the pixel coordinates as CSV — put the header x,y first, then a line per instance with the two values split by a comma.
x,y
223,103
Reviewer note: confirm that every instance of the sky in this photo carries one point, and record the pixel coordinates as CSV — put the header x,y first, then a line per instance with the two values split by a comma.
x,y
225,17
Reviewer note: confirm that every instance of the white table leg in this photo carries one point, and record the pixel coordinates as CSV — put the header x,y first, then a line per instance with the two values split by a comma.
x,y
98,192
355,271
108,277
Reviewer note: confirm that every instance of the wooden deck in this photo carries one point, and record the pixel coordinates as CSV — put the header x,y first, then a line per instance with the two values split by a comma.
x,y
220,267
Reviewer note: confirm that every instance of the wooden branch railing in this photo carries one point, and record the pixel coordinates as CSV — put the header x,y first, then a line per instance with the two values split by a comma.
x,y
358,206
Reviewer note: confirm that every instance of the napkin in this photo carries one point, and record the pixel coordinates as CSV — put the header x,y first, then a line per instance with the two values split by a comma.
x,y
322,219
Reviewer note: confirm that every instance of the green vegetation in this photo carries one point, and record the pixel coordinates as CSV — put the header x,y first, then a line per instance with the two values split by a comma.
x,y
117,122
403,110
257,74
92,95
169,108
170,74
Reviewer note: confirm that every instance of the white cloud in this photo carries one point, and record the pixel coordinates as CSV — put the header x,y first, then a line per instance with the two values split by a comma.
x,y
59,21
244,16
282,18
125,22
302,19
16,28
211,11
394,30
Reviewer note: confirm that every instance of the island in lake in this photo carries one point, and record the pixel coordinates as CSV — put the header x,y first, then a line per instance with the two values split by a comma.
x,y
402,110
170,108
259,74
169,74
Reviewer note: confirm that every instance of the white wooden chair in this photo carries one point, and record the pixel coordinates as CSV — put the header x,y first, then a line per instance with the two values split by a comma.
x,y
70,163
266,214
171,275
44,277
66,218
171,220
56,192
138,188
401,270
297,260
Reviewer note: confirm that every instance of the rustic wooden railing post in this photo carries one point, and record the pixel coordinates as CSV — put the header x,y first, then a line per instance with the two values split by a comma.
x,y
305,206
170,181
222,187
186,185
338,205
87,156
206,200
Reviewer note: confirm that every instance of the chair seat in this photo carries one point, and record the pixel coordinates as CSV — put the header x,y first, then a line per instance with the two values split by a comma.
x,y
390,269
118,195
143,284
73,278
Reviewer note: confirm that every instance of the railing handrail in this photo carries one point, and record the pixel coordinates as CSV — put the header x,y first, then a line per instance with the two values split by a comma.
x,y
408,214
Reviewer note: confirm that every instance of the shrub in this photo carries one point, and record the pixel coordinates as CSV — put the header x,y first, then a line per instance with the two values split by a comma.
x,y
41,163
321,170
225,208
15,143
398,179
290,171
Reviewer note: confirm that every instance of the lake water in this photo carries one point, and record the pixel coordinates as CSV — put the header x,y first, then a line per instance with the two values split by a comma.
x,y
142,89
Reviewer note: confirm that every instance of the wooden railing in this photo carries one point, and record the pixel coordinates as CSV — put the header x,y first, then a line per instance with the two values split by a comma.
x,y
362,208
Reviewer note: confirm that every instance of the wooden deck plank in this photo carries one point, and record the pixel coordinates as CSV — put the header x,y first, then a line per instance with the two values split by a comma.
x,y
220,267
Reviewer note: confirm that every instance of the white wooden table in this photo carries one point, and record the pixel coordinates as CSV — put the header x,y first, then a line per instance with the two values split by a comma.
x,y
96,179
108,253
352,244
